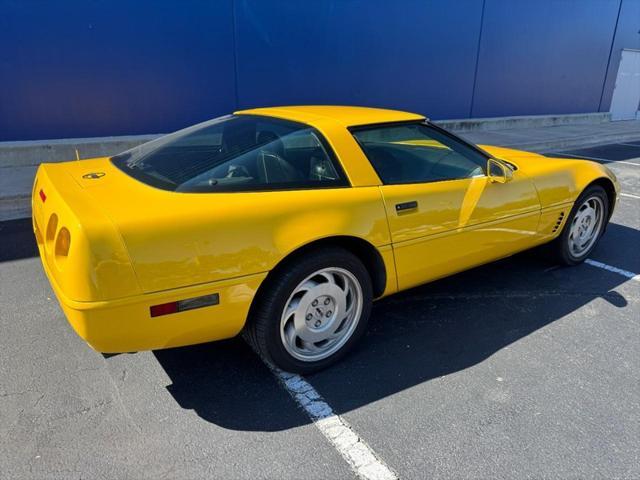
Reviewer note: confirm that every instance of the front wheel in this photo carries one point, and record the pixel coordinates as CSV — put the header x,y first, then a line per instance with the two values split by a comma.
x,y
312,311
584,227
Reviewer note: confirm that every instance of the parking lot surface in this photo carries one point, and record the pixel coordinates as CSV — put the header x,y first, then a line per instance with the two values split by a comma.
x,y
518,368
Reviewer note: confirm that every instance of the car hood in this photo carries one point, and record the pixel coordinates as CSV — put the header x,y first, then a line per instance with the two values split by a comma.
x,y
557,180
523,159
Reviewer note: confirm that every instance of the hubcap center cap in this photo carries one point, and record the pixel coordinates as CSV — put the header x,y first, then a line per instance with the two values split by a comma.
x,y
320,311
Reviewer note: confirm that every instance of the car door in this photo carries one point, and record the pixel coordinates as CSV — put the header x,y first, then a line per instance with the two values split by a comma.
x,y
445,214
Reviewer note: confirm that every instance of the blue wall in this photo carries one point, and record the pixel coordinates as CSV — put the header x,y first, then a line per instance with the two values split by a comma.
x,y
535,59
95,67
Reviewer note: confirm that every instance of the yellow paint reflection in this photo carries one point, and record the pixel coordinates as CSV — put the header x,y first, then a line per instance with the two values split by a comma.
x,y
471,198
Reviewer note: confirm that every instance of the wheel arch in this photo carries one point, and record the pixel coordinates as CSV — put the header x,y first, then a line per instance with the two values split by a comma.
x,y
608,187
364,250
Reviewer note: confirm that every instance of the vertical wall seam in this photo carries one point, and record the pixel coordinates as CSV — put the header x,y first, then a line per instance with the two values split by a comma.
x,y
613,41
475,73
235,55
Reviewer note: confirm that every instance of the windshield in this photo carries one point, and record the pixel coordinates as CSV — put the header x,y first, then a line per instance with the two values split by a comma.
x,y
235,153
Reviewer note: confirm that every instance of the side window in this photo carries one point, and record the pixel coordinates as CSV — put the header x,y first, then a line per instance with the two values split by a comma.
x,y
273,159
236,153
417,153
305,149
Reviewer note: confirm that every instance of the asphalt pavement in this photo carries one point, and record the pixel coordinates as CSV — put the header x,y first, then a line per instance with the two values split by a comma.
x,y
517,368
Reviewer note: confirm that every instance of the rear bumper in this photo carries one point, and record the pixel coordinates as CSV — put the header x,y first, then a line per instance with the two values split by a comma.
x,y
125,325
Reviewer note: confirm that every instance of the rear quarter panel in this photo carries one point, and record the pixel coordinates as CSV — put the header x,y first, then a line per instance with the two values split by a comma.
x,y
180,239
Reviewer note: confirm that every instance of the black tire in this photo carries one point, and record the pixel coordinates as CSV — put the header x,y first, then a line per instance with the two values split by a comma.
x,y
560,246
263,326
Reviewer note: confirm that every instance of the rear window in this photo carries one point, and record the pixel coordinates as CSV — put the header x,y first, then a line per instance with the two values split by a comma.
x,y
236,153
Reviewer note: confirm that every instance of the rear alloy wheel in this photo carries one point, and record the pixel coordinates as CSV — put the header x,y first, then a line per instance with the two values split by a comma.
x,y
321,314
312,312
584,226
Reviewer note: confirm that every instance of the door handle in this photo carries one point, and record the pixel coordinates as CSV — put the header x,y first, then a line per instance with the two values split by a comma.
x,y
405,206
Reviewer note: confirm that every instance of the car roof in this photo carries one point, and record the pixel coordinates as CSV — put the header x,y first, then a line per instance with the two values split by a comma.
x,y
344,115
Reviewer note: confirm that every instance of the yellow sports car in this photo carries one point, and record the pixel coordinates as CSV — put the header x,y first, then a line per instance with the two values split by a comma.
x,y
285,223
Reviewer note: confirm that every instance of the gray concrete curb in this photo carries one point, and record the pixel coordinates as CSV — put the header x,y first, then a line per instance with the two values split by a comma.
x,y
34,152
13,208
529,121
563,144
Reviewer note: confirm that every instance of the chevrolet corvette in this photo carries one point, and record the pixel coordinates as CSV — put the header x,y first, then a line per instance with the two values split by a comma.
x,y
285,223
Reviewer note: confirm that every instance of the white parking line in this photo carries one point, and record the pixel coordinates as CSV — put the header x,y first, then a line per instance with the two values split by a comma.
x,y
349,444
619,271
625,162
596,159
629,195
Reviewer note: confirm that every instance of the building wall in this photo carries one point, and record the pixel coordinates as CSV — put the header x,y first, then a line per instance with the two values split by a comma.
x,y
627,35
110,67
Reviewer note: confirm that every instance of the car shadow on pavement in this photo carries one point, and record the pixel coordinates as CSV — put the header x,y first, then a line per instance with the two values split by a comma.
x,y
413,337
17,240
226,383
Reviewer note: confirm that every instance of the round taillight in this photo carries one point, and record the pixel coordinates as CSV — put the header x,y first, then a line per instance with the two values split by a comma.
x,y
52,226
63,242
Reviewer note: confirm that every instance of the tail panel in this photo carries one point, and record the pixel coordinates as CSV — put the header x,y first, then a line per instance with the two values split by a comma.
x,y
81,248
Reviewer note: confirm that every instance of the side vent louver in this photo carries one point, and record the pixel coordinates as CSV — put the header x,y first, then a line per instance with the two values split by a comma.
x,y
558,223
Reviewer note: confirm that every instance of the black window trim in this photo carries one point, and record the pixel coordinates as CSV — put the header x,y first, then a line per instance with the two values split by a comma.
x,y
428,123
343,182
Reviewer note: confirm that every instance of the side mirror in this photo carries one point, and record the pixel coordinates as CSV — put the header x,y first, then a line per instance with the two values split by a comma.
x,y
499,172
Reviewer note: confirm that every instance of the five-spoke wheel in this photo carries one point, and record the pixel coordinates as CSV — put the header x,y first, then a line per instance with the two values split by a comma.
x,y
312,310
584,227
321,314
